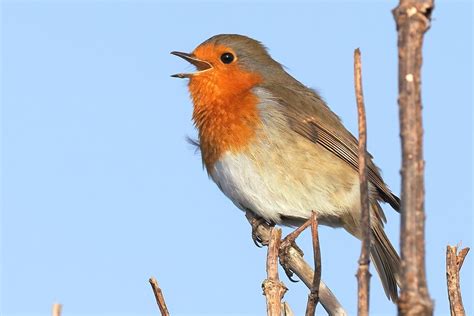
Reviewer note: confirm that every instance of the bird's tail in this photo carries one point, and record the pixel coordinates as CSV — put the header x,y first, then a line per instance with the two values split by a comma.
x,y
386,261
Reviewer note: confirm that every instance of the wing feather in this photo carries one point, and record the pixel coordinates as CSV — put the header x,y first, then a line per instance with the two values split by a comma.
x,y
309,116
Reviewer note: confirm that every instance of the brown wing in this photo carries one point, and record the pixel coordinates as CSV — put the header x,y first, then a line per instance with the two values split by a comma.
x,y
309,116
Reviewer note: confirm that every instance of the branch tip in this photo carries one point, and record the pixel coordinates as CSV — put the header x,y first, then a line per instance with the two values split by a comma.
x,y
160,300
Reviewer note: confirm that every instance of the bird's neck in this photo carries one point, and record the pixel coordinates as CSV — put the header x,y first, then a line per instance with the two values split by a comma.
x,y
226,120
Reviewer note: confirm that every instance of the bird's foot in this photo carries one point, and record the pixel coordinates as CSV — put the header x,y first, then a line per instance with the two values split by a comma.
x,y
286,245
284,256
255,223
290,242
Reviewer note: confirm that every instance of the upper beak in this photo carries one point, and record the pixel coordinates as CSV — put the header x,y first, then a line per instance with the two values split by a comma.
x,y
201,65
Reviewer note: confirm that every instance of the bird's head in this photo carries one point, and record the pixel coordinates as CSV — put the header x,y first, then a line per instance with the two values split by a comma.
x,y
226,114
229,64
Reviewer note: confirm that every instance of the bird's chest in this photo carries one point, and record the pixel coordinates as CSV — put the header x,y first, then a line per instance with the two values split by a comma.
x,y
225,111
281,175
266,177
225,124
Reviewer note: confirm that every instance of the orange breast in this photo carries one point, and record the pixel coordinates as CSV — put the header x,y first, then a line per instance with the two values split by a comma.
x,y
225,111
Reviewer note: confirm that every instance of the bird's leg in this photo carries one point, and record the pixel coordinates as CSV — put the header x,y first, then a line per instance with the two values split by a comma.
x,y
291,237
289,242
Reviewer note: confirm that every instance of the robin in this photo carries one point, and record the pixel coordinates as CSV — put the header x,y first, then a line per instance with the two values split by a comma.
x,y
274,147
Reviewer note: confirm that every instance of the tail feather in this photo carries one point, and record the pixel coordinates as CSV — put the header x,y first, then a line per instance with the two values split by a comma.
x,y
386,261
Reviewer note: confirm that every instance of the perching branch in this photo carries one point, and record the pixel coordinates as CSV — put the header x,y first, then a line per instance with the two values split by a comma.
x,y
56,311
273,288
298,265
313,296
454,263
160,300
363,273
413,20
286,310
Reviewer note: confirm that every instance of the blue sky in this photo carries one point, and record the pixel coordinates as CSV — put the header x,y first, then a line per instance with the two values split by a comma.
x,y
100,189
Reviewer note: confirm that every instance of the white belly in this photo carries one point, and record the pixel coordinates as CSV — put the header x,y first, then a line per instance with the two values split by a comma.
x,y
278,184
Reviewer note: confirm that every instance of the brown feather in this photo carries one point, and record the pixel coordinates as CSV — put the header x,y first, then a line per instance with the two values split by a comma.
x,y
386,261
310,117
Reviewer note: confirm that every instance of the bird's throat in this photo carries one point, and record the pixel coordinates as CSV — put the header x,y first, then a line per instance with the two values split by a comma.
x,y
227,119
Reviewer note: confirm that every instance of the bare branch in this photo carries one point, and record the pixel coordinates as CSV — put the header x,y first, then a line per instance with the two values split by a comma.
x,y
160,300
286,310
413,20
295,261
57,308
313,296
363,273
273,288
454,263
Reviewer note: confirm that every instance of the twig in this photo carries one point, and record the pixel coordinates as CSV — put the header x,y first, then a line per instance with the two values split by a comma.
x,y
273,288
454,263
363,273
56,311
286,310
313,296
299,266
160,300
413,20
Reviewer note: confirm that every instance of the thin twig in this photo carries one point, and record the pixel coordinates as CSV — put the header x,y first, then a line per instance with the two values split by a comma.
x,y
313,296
413,20
273,288
57,308
454,263
160,300
298,265
286,310
363,273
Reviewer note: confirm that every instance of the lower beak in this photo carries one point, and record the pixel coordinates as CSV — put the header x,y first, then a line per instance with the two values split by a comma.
x,y
201,65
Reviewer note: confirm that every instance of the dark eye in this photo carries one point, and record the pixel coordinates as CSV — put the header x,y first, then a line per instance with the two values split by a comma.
x,y
227,58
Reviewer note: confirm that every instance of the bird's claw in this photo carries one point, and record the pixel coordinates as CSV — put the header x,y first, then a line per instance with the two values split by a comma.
x,y
256,239
256,222
287,243
290,274
284,255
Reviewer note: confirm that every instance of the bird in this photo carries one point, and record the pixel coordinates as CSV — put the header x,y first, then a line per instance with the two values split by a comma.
x,y
275,148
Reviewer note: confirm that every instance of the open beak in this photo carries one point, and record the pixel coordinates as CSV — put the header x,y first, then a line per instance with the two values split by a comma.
x,y
201,65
